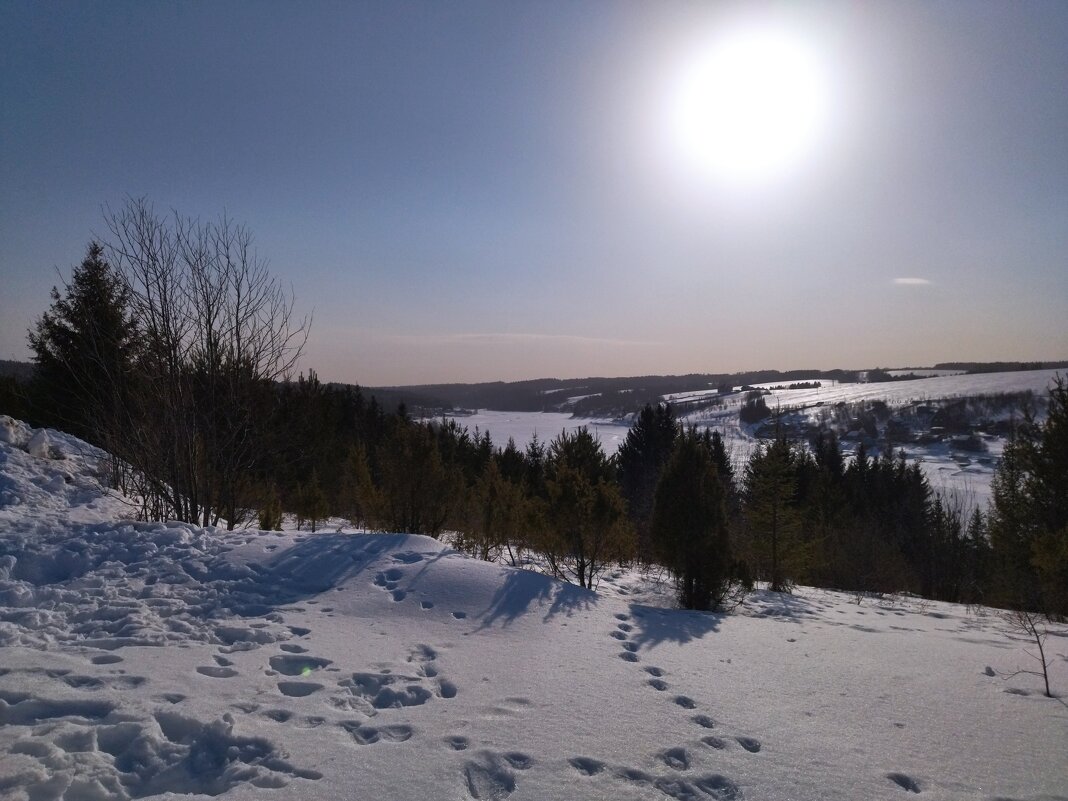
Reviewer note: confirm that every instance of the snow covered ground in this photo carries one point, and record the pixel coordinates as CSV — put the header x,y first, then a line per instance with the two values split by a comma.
x,y
140,659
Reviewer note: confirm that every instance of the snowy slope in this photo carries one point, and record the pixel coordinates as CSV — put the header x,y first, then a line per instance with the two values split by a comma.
x,y
138,660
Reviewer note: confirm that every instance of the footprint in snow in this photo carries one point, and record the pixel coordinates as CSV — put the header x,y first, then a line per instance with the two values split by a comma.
x,y
685,701
676,758
297,664
368,735
488,782
749,744
655,671
587,766
904,781
457,742
658,684
217,672
298,689
628,656
111,659
618,635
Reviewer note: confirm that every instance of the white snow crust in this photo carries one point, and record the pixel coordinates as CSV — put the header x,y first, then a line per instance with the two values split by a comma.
x,y
163,660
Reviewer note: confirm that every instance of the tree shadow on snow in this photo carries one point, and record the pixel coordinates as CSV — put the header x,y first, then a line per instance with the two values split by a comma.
x,y
524,589
653,625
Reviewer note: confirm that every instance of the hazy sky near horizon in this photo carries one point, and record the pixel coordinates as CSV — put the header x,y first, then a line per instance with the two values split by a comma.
x,y
495,190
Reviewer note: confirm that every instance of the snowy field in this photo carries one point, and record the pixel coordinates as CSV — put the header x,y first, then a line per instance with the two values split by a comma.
x,y
146,660
964,477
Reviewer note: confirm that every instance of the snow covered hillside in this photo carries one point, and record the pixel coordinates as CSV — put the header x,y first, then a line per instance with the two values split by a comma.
x,y
146,659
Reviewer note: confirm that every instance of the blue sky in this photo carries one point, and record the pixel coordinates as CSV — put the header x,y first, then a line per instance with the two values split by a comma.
x,y
479,191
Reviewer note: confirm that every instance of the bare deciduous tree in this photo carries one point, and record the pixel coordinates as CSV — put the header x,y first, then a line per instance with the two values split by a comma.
x,y
217,329
1029,624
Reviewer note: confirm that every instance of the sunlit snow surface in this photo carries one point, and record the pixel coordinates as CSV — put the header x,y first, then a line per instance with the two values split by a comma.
x,y
138,660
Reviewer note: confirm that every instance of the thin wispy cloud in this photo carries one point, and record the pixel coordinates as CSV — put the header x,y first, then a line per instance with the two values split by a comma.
x,y
509,338
912,282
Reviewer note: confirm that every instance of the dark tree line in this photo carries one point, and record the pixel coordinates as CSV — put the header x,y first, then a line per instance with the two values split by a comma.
x,y
172,347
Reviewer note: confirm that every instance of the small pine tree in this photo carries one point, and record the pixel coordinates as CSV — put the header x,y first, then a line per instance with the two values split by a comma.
x,y
772,515
689,525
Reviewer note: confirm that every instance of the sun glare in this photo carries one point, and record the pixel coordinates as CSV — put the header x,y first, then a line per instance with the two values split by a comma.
x,y
750,104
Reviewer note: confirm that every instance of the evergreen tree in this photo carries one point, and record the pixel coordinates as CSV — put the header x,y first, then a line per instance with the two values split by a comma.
x,y
1029,514
689,524
641,459
772,515
84,348
585,525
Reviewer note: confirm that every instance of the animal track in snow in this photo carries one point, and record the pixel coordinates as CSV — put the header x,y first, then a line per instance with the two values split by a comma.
x,y
714,742
685,701
676,758
298,689
297,665
658,684
292,648
106,659
904,781
655,671
488,782
749,744
715,786
368,735
408,558
426,605
587,766
629,646
387,690
618,635
628,656
621,616
518,760
459,615
99,682
634,776
457,742
625,627
704,721
216,672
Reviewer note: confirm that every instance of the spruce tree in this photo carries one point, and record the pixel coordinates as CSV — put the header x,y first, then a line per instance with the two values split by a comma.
x,y
689,524
772,515
641,459
84,348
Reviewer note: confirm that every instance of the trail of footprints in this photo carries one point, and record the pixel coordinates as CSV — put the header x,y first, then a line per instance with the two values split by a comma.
x,y
678,759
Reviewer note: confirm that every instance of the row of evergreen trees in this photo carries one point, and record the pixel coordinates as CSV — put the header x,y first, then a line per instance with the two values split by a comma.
x,y
212,436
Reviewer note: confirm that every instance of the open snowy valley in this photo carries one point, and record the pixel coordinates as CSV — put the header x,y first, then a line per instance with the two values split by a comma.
x,y
961,473
146,660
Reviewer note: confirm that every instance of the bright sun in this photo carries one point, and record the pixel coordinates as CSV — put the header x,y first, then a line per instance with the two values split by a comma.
x,y
749,105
